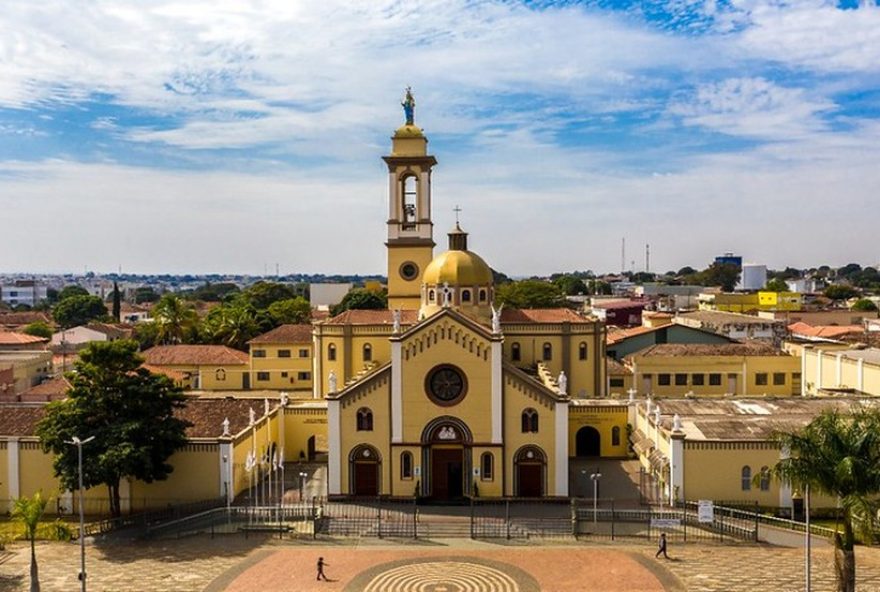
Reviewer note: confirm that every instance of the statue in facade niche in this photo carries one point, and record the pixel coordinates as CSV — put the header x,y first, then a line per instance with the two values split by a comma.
x,y
409,106
331,381
496,319
252,416
226,427
562,381
396,317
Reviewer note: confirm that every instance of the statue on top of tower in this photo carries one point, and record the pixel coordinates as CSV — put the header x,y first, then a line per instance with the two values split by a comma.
x,y
409,106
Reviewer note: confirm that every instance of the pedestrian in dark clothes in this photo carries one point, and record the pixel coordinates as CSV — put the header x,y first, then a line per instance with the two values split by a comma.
x,y
321,565
662,548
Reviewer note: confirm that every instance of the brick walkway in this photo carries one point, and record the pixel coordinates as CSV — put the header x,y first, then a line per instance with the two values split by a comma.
x,y
234,564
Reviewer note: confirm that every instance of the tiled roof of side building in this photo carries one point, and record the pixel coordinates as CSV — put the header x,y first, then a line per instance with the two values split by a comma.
x,y
50,390
720,316
542,315
12,338
113,331
301,333
615,368
207,415
752,348
20,419
826,331
184,355
372,317
24,318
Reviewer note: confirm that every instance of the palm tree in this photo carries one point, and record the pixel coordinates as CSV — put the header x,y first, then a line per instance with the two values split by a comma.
x,y
838,455
29,511
234,325
175,319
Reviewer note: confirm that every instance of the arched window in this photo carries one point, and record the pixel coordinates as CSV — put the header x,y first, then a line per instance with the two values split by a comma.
x,y
220,374
615,436
529,421
482,295
486,466
465,295
331,352
515,353
364,420
406,465
582,351
368,352
410,192
746,475
548,352
431,295
765,479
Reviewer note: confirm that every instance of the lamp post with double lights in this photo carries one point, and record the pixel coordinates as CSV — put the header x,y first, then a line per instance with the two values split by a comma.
x,y
75,441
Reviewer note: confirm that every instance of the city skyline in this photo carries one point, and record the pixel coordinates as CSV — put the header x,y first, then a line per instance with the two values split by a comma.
x,y
204,138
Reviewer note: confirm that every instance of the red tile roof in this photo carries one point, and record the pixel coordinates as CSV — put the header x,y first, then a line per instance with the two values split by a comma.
x,y
286,334
826,331
51,390
194,355
172,374
17,419
751,348
23,318
11,338
614,304
372,317
621,334
541,315
207,415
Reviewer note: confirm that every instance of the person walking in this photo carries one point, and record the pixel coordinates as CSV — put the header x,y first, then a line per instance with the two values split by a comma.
x,y
662,547
321,565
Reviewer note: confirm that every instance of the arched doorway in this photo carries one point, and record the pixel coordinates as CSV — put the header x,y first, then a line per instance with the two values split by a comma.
x,y
364,470
588,442
446,458
530,465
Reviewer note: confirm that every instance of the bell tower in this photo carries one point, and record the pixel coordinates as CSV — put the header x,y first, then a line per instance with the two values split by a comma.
x,y
410,229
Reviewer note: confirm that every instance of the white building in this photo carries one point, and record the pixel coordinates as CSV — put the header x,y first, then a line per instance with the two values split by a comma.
x,y
324,295
753,277
28,292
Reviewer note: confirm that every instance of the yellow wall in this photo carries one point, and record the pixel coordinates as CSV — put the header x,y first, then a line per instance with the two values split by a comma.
x,y
376,399
230,379
604,419
750,366
518,397
849,373
300,424
298,370
196,476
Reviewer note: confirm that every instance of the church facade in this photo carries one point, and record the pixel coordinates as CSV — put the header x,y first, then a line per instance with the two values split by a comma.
x,y
444,395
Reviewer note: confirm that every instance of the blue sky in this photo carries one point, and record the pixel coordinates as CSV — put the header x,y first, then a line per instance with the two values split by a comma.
x,y
221,136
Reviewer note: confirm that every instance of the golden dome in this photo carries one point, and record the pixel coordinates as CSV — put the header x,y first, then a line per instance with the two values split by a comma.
x,y
409,131
458,268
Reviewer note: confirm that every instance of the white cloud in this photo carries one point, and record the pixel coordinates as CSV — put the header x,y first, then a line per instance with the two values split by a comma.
x,y
753,107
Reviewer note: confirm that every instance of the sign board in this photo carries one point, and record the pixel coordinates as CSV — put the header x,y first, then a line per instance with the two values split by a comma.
x,y
476,471
705,511
665,522
417,471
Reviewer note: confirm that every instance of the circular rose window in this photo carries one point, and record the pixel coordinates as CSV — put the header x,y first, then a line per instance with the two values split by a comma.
x,y
446,384
409,271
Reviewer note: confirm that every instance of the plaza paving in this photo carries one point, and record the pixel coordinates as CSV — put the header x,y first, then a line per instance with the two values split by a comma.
x,y
261,564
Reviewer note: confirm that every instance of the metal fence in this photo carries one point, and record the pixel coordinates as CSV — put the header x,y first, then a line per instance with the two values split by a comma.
x,y
140,521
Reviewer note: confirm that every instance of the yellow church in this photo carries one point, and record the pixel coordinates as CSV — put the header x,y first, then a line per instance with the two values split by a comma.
x,y
444,395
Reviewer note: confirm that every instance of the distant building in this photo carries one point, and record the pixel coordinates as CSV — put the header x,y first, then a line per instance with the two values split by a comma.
x,y
76,338
620,313
29,368
753,277
624,342
26,292
321,295
735,326
747,303
802,286
10,341
729,259
203,367
671,298
816,318
282,358
835,370
15,321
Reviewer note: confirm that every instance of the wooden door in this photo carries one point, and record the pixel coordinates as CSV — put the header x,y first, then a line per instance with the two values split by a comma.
x,y
530,479
366,478
446,473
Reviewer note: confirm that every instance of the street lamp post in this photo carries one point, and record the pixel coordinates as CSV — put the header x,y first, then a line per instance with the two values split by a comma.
x,y
302,477
595,477
82,515
808,542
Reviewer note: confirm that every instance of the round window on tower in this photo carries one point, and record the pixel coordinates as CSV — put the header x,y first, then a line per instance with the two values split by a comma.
x,y
409,271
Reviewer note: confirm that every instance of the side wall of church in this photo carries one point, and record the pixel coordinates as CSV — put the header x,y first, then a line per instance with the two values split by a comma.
x,y
374,395
518,397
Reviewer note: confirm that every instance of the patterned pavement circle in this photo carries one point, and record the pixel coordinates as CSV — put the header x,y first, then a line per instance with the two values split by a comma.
x,y
405,569
449,574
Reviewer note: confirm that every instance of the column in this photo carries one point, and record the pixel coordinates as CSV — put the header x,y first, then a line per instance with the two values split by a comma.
x,y
334,443
560,457
12,462
784,489
838,368
818,370
860,374
804,352
497,399
396,392
676,466
226,477
317,376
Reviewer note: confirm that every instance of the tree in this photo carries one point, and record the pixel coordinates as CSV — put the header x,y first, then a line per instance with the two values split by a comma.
x,y
570,285
686,270
39,329
530,294
262,294
213,292
145,294
838,455
176,320
71,291
725,275
776,285
117,303
128,410
146,334
864,304
29,511
233,325
361,299
290,311
838,292
78,310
